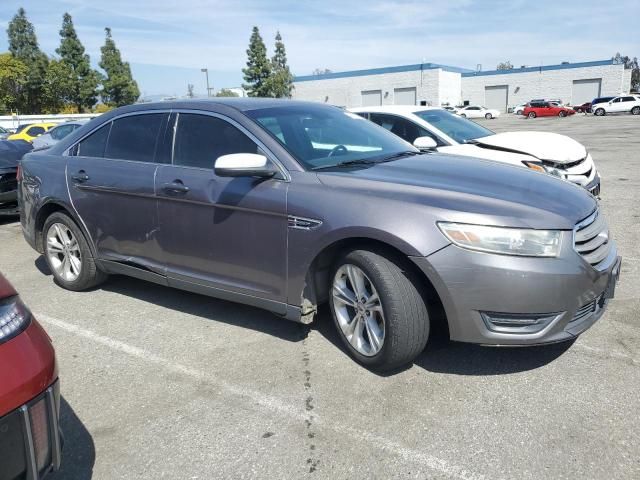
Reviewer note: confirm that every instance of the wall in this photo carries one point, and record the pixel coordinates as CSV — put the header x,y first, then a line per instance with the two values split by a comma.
x,y
552,83
11,121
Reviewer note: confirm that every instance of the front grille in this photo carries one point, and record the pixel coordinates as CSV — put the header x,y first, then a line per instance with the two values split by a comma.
x,y
587,310
591,238
564,166
8,182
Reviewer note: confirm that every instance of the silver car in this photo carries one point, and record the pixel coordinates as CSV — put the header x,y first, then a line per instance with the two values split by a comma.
x,y
286,205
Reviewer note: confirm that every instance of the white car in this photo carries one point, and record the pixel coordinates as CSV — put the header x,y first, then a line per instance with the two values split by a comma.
x,y
56,134
519,109
621,104
474,111
436,129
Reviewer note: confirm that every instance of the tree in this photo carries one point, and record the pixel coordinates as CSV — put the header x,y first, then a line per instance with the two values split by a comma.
x,y
281,79
629,64
119,87
321,71
23,45
85,80
13,79
505,66
58,87
225,92
258,70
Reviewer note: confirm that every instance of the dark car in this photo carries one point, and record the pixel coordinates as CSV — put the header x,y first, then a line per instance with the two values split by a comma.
x,y
11,151
285,205
595,101
584,108
30,440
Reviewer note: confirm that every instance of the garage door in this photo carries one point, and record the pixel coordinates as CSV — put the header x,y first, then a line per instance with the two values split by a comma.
x,y
404,96
585,90
496,97
371,98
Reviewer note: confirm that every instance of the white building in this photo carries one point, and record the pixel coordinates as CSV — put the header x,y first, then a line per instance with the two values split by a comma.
x,y
433,84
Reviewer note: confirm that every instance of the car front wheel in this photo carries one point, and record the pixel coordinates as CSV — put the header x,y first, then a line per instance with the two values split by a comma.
x,y
532,115
635,111
562,113
378,310
68,254
600,112
488,116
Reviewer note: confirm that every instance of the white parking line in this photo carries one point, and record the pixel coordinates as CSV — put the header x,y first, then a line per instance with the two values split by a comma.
x,y
269,402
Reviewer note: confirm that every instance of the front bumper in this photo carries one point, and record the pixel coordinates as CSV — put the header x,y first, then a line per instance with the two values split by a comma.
x,y
475,286
30,438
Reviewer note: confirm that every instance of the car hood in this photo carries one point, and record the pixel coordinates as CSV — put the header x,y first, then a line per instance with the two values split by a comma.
x,y
11,151
542,145
470,190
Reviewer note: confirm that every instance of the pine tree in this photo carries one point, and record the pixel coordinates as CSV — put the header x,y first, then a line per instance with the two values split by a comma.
x,y
258,70
281,81
119,87
85,80
23,45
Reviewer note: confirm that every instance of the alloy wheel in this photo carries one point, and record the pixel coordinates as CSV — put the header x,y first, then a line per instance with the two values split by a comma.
x,y
63,252
358,310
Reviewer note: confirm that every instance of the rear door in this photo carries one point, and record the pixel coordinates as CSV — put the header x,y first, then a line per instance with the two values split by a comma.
x,y
222,234
111,183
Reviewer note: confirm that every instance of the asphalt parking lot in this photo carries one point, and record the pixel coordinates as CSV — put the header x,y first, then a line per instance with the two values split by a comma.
x,y
158,383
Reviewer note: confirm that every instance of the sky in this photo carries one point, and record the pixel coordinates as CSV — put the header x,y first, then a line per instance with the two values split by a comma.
x,y
167,42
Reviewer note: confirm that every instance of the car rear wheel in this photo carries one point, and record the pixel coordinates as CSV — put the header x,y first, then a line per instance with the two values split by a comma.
x,y
463,115
68,255
488,116
635,111
378,310
562,113
519,112
532,115
599,112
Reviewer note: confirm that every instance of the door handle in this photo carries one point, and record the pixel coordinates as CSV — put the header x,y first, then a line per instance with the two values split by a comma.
x,y
175,187
80,177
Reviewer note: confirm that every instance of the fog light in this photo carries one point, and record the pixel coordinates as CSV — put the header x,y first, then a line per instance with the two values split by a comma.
x,y
40,433
518,322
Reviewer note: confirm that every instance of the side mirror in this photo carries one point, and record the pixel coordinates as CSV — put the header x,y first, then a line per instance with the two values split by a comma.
x,y
425,143
244,165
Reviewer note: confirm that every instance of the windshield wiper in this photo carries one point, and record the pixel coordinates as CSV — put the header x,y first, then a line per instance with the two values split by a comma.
x,y
347,163
398,155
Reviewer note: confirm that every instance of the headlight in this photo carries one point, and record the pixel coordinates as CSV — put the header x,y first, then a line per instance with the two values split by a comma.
x,y
507,241
14,318
540,167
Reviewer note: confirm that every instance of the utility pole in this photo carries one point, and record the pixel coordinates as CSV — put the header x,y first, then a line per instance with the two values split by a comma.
x,y
206,73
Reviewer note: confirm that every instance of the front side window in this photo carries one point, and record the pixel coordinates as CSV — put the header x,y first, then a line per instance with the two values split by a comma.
x,y
322,137
458,128
201,139
94,144
134,137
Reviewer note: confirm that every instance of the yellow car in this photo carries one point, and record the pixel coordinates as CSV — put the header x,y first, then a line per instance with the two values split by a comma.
x,y
31,131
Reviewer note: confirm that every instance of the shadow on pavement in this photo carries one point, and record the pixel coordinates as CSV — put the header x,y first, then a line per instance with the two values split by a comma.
x,y
78,454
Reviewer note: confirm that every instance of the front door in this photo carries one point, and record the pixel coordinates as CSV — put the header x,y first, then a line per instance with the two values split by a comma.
x,y
225,234
111,183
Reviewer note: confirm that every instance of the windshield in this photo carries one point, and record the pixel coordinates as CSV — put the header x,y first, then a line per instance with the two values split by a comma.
x,y
454,126
322,137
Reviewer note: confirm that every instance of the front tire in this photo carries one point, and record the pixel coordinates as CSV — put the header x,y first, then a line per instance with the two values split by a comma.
x,y
599,112
463,115
68,254
562,114
635,111
488,116
378,310
532,115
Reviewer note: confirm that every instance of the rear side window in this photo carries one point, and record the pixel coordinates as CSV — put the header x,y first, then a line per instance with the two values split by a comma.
x,y
134,137
34,131
94,144
405,129
62,131
201,139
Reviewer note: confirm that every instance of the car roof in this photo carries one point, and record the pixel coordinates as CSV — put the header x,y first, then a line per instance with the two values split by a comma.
x,y
394,109
242,104
43,124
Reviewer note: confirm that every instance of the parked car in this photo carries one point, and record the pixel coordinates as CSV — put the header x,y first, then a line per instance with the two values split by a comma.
x,y
518,109
546,109
622,104
584,108
4,133
474,111
30,441
555,154
10,154
57,133
451,109
285,205
31,131
600,100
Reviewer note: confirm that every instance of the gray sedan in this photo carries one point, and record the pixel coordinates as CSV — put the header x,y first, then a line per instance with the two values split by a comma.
x,y
285,205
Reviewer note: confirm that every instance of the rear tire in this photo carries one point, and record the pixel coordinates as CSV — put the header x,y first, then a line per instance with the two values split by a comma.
x,y
463,115
519,112
635,111
532,115
394,331
68,254
599,112
488,116
562,114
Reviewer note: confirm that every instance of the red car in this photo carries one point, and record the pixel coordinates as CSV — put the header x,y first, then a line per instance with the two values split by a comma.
x,y
546,109
30,439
